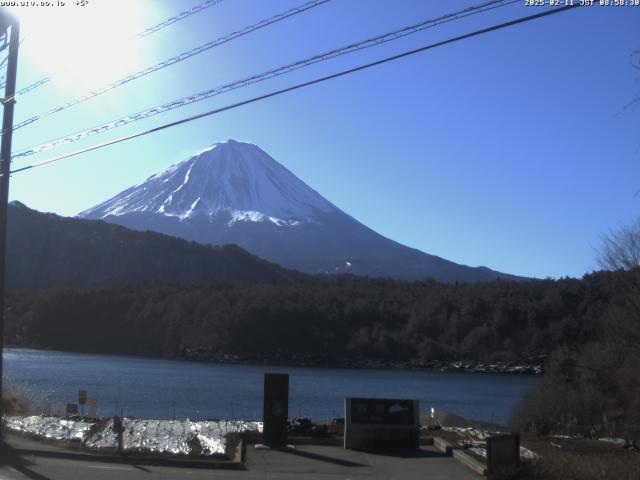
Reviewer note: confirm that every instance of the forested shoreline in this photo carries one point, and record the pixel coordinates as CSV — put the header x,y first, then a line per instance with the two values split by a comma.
x,y
324,322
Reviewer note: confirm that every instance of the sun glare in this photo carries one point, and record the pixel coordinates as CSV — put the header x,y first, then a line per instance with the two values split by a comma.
x,y
82,46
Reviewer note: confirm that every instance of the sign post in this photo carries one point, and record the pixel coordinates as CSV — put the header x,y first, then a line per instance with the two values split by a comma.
x,y
93,406
82,399
72,408
118,429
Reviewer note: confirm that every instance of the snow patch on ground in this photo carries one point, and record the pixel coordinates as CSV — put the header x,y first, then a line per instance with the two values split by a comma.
x,y
177,437
53,428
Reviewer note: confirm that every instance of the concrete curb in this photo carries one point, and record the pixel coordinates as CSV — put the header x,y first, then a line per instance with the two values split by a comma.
x,y
470,462
460,455
442,445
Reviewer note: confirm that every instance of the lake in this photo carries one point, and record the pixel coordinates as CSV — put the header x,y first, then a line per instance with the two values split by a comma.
x,y
153,388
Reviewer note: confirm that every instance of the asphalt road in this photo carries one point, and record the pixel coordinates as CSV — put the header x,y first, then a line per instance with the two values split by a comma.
x,y
44,468
308,462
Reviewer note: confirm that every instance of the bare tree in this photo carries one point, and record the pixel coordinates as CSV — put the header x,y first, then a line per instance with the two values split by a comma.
x,y
620,250
635,62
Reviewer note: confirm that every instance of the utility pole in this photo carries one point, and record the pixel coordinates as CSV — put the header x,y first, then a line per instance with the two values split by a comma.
x,y
11,27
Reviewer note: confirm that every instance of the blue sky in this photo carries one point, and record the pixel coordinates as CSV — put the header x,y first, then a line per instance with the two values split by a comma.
x,y
511,150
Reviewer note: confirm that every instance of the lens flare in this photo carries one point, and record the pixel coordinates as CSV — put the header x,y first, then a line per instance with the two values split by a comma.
x,y
82,45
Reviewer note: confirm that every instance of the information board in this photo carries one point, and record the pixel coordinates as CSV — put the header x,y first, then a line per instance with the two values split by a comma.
x,y
374,423
377,411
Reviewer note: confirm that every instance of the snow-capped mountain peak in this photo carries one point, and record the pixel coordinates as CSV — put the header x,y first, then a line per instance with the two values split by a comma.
x,y
236,180
234,192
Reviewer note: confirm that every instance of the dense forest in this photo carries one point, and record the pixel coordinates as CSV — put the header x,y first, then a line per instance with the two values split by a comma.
x,y
324,321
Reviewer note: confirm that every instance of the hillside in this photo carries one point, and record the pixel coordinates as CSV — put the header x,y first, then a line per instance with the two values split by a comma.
x,y
46,250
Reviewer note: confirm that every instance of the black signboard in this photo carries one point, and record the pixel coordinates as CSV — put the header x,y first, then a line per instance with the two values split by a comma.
x,y
378,411
503,453
276,409
82,397
72,408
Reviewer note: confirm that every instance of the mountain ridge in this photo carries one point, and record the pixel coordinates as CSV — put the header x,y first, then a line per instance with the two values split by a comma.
x,y
45,250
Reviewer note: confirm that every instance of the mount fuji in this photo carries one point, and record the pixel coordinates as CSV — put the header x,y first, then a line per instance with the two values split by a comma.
x,y
234,192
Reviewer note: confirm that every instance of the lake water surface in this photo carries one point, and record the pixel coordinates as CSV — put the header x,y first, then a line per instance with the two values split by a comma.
x,y
152,388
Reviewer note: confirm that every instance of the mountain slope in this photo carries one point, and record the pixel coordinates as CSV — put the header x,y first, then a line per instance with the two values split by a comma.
x,y
45,250
234,192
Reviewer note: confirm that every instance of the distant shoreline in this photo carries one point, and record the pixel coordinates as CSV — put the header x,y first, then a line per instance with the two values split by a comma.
x,y
529,366
518,367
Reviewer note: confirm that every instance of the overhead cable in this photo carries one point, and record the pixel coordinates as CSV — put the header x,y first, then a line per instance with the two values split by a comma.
x,y
173,60
178,17
197,97
298,86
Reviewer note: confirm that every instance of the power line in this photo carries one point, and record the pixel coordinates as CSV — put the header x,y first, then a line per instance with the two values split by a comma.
x,y
33,86
173,60
144,33
371,42
302,85
178,17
